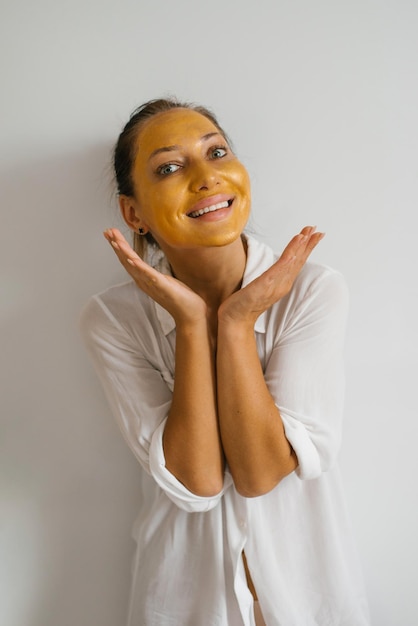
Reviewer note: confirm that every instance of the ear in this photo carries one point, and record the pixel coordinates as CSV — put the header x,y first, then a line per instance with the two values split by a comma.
x,y
130,213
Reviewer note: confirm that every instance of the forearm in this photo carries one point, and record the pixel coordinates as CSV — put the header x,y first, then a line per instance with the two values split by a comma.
x,y
192,445
252,432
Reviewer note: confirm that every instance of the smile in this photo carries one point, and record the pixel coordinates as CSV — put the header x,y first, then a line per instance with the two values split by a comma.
x,y
211,208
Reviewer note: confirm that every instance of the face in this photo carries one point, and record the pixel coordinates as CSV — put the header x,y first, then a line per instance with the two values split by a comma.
x,y
190,189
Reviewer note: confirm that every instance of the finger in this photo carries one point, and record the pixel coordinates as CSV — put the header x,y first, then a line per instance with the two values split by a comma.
x,y
303,236
308,230
300,247
295,245
140,271
119,244
115,237
313,241
305,249
112,234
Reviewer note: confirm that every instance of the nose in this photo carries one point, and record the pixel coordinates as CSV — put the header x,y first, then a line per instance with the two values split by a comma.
x,y
203,176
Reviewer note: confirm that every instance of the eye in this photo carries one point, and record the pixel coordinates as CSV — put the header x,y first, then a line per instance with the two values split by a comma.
x,y
217,152
167,168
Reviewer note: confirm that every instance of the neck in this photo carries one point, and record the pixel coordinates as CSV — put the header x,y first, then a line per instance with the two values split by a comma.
x,y
212,273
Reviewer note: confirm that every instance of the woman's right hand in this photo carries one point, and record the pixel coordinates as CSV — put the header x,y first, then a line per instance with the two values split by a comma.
x,y
180,301
192,448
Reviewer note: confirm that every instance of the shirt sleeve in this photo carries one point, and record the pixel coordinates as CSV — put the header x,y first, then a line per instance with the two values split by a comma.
x,y
139,398
305,372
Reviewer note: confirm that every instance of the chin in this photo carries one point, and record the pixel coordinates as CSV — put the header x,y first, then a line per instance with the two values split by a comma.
x,y
222,239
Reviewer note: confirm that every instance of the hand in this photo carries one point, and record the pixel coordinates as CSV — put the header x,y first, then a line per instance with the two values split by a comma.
x,y
179,300
248,303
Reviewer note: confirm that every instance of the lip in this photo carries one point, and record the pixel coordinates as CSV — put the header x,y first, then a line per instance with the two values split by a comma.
x,y
209,201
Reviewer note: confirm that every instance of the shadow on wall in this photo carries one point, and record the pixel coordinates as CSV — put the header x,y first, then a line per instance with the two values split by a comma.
x,y
69,484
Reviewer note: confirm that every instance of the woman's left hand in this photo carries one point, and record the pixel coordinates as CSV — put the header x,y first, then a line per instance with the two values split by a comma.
x,y
248,303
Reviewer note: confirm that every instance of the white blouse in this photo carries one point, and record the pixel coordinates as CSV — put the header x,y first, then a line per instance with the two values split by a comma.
x,y
188,569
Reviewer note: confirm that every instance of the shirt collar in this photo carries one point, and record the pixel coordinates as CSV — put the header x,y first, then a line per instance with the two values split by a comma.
x,y
259,258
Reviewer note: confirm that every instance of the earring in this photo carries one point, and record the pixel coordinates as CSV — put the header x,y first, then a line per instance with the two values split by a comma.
x,y
141,231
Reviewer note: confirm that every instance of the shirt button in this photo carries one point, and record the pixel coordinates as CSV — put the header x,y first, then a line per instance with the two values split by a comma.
x,y
242,523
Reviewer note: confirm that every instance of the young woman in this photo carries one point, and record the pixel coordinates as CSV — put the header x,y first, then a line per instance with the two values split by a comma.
x,y
223,366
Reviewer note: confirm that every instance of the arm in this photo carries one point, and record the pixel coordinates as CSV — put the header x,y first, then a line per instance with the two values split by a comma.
x,y
192,443
192,447
258,453
253,435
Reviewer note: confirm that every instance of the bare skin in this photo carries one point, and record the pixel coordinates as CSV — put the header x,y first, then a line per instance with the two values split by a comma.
x,y
223,374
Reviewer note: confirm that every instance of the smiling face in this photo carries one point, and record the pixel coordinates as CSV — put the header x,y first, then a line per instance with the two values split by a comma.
x,y
190,189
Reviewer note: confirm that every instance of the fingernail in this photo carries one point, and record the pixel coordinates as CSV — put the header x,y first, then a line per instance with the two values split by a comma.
x,y
115,245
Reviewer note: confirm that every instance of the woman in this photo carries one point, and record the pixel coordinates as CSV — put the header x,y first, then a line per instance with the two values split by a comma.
x,y
223,366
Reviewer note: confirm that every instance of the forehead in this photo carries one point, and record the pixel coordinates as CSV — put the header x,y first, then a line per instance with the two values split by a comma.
x,y
174,127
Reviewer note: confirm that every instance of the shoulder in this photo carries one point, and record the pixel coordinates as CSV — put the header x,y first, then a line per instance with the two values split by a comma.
x,y
319,294
114,310
318,277
322,288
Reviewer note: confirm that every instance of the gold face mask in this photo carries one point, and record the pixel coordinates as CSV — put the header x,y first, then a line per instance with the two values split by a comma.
x,y
190,188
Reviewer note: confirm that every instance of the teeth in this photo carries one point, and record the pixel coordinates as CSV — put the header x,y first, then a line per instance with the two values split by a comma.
x,y
209,209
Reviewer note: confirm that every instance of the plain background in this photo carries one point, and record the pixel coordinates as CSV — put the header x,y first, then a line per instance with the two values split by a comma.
x,y
321,100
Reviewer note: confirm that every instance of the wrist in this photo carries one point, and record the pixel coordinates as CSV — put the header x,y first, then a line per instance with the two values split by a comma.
x,y
235,328
192,325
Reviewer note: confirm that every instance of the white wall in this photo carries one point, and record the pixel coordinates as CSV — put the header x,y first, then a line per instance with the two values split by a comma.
x,y
321,99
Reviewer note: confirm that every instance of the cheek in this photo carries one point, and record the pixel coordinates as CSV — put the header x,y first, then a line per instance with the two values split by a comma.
x,y
153,206
239,176
161,197
244,186
160,211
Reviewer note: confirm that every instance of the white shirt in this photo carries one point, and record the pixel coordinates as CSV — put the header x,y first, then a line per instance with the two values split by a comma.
x,y
188,569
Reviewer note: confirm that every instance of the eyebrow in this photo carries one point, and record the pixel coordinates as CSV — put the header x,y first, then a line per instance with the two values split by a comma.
x,y
177,147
